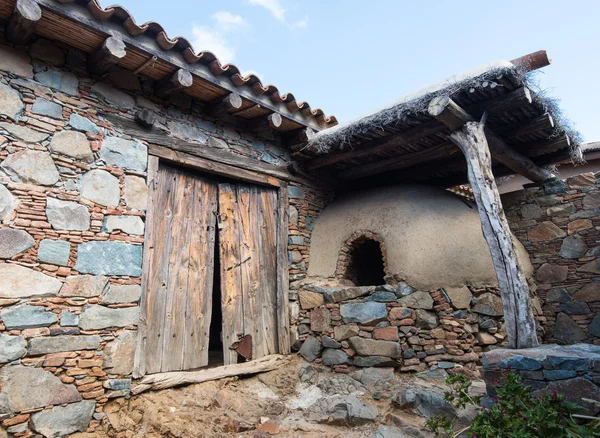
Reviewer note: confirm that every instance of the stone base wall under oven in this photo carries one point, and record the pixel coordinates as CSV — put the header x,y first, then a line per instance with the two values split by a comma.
x,y
72,215
396,325
559,226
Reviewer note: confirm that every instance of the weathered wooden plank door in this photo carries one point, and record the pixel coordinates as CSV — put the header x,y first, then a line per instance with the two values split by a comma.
x,y
248,222
178,296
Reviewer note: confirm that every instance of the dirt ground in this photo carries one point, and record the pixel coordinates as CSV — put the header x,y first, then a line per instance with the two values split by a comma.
x,y
296,400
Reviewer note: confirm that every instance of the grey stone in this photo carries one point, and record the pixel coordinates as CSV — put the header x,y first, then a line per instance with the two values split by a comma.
x,y
29,166
11,348
80,123
521,363
561,210
293,215
72,144
109,258
363,313
311,349
343,332
594,326
426,320
217,143
23,316
296,240
55,252
206,126
67,215
128,224
101,187
7,203
382,297
187,132
296,193
371,347
135,192
340,294
592,267
120,353
488,304
68,319
558,295
552,273
47,51
16,62
568,363
417,300
61,81
578,391
44,107
61,421
531,211
460,297
125,154
13,242
21,282
126,293
591,201
86,286
573,247
330,342
142,102
11,104
94,317
588,293
125,79
57,344
374,361
567,330
113,96
31,388
342,410
333,356
22,133
446,365
575,308
559,374
117,384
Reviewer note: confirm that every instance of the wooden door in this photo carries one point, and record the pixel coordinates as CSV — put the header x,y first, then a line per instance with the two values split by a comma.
x,y
248,248
176,310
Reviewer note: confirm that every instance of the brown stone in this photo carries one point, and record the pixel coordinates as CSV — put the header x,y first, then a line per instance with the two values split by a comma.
x,y
552,273
386,333
320,319
438,333
588,293
343,332
593,267
310,300
581,181
486,339
460,297
545,231
15,420
574,391
591,201
579,225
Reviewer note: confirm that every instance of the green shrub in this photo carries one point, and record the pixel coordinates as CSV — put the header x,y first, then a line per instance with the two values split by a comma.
x,y
515,413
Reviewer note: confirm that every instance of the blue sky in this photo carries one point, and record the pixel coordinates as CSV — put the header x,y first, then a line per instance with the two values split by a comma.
x,y
350,57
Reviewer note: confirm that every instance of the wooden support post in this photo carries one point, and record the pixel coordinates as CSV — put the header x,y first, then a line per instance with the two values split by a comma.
x,y
108,54
453,116
516,302
180,80
22,24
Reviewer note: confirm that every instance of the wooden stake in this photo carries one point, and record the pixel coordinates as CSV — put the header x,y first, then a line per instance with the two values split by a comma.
x,y
180,80
22,24
107,55
516,302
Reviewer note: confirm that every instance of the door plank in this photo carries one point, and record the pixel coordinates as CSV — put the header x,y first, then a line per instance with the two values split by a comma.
x,y
200,274
283,322
231,287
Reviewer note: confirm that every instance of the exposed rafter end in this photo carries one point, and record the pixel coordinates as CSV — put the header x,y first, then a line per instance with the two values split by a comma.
x,y
533,61
264,126
298,139
179,81
107,55
225,105
24,19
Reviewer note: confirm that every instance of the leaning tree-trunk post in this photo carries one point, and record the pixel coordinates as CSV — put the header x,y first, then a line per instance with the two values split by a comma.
x,y
516,302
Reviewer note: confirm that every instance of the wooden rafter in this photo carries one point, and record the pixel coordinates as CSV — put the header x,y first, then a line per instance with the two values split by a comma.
x,y
22,24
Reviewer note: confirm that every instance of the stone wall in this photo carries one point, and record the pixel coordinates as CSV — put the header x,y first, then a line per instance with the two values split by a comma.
x,y
559,227
72,214
573,371
396,325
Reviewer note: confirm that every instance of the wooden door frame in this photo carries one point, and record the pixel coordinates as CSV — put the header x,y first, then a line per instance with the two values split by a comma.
x,y
158,154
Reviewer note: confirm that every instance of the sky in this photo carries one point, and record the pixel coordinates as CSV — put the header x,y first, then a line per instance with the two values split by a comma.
x,y
350,57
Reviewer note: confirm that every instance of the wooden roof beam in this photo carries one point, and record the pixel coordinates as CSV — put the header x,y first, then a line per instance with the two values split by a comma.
x,y
264,126
22,24
546,146
177,82
298,139
544,122
533,61
516,98
454,117
224,105
107,55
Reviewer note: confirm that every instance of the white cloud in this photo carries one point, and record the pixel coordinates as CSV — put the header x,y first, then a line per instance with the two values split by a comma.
x,y
215,37
300,24
273,6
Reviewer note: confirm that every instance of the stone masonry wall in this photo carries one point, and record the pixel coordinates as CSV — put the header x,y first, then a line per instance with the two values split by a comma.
x,y
397,325
72,213
559,225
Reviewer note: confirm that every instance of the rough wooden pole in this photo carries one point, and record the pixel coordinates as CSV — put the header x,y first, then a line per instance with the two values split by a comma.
x,y
22,24
108,54
516,302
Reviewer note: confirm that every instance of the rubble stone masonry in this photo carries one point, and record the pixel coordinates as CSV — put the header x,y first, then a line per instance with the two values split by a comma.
x,y
72,213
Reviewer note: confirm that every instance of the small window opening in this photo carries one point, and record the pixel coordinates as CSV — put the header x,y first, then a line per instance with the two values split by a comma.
x,y
365,266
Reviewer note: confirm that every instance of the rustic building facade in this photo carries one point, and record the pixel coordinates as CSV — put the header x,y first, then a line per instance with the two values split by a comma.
x,y
159,212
